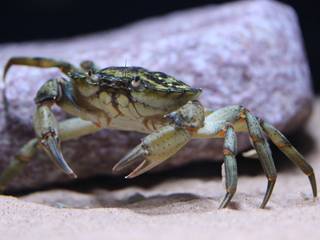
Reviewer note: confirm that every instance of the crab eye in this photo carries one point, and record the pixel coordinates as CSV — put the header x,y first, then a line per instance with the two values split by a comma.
x,y
136,82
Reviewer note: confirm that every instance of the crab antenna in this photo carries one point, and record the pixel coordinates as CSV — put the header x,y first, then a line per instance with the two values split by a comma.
x,y
125,68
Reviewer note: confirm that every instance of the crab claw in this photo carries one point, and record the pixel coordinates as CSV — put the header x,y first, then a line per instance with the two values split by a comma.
x,y
131,158
155,149
134,157
46,127
145,166
51,145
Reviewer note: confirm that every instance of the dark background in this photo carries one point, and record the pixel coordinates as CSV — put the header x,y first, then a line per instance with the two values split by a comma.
x,y
23,20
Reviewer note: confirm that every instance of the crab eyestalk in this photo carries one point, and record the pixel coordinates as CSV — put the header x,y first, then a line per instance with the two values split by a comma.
x,y
46,128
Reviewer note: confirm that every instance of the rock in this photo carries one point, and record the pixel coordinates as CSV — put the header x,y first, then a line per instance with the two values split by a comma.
x,y
247,53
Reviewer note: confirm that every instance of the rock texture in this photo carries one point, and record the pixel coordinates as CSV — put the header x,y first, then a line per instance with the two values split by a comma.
x,y
247,53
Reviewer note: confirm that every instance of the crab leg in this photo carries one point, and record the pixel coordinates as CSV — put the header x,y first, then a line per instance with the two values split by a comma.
x,y
243,121
39,62
18,163
230,164
262,147
291,152
34,62
69,129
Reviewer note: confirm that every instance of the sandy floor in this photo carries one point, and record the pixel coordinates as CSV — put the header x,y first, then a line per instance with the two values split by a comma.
x,y
182,208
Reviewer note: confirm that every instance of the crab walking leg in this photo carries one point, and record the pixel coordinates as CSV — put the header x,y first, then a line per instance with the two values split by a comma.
x,y
68,129
18,163
65,67
230,165
235,115
155,149
291,152
261,145
221,123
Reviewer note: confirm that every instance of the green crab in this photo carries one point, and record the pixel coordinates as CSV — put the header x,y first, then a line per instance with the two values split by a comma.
x,y
136,99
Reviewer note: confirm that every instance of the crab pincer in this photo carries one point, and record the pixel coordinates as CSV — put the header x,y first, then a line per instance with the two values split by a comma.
x,y
154,149
46,128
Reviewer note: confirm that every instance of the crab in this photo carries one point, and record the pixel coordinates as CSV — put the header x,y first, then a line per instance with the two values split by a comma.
x,y
154,103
